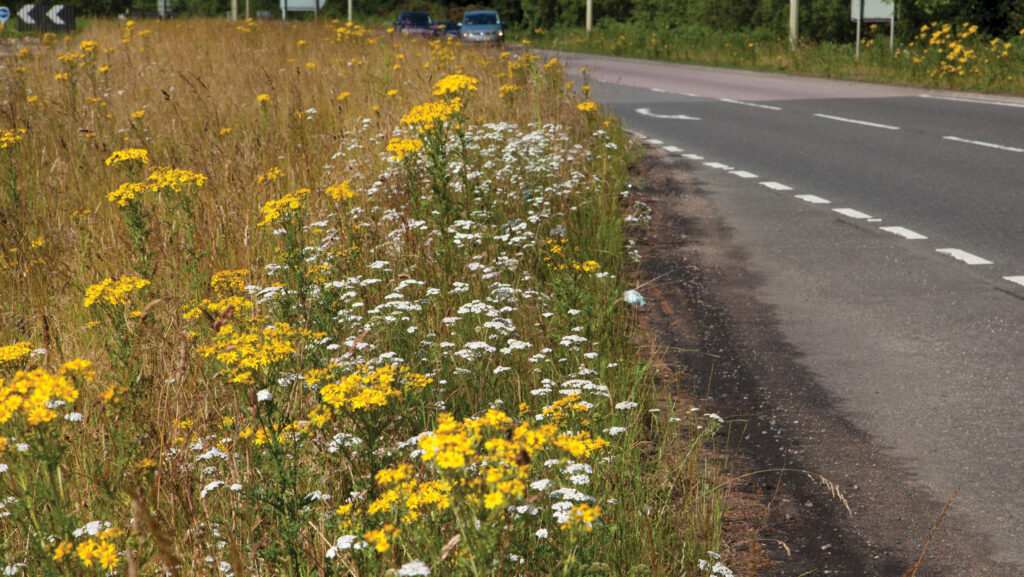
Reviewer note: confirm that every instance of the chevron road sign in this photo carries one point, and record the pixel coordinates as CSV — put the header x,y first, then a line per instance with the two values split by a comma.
x,y
46,18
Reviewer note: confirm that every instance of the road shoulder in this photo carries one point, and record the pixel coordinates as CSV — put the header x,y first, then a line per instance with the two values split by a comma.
x,y
704,314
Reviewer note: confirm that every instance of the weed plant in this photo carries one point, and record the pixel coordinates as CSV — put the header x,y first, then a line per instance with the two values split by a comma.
x,y
318,300
945,56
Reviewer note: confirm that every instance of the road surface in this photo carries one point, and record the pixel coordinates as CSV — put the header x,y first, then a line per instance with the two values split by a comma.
x,y
885,229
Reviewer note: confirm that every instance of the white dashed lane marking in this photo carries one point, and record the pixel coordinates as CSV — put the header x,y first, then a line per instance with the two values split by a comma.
x,y
860,122
963,256
764,106
693,156
647,112
813,199
975,101
718,165
743,174
776,185
852,213
985,144
673,149
1015,279
904,232
655,141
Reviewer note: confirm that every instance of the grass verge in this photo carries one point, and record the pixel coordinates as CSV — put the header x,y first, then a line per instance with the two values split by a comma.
x,y
315,300
942,56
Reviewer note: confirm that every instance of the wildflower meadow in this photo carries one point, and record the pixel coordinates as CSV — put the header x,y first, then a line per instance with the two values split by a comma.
x,y
314,299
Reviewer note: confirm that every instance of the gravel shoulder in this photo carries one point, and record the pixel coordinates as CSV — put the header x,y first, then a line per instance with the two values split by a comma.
x,y
793,452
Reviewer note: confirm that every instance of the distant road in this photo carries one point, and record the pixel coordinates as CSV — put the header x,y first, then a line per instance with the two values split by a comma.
x,y
886,228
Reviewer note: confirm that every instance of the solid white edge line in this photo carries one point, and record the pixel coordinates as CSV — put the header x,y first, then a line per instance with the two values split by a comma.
x,y
1015,279
755,105
775,185
852,213
963,256
860,122
973,100
985,144
813,199
904,232
743,174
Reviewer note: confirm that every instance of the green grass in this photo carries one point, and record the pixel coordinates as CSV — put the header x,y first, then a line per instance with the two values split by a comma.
x,y
953,57
264,314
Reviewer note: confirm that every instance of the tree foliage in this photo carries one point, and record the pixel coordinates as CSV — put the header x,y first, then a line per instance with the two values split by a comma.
x,y
820,20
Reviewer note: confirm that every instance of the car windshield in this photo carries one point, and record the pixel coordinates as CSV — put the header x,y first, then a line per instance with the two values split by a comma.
x,y
480,19
414,18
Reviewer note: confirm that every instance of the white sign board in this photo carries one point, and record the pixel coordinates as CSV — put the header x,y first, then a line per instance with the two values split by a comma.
x,y
874,10
301,5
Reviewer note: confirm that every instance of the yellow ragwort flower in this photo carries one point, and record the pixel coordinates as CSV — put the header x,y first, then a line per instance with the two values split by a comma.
x,y
128,154
455,84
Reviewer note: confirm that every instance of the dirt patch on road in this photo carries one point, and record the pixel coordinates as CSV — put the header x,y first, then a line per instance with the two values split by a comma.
x,y
704,318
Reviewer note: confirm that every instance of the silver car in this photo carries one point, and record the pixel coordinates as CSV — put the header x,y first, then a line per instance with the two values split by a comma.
x,y
482,26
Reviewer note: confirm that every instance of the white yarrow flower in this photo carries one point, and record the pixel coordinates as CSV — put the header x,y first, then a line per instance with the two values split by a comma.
x,y
414,568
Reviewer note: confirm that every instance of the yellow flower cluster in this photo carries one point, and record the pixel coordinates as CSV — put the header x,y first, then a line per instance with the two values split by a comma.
x,y
228,281
408,496
17,352
128,154
127,192
253,350
101,552
113,292
426,116
341,191
402,147
31,393
11,137
587,106
455,84
490,455
161,178
174,179
274,209
368,387
270,175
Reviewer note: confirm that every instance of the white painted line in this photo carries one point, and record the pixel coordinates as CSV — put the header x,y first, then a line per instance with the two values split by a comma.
x,y
718,165
693,156
776,186
765,106
985,144
657,90
647,112
654,141
904,232
672,149
813,199
860,122
974,101
963,256
874,220
743,174
852,213
692,95
1015,279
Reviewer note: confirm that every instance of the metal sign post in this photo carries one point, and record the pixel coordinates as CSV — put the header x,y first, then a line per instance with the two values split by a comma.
x,y
794,23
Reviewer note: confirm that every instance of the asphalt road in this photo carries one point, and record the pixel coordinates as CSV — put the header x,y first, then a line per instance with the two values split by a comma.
x,y
885,227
